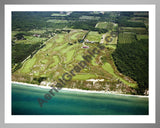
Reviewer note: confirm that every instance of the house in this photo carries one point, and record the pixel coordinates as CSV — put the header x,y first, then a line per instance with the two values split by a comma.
x,y
36,35
85,47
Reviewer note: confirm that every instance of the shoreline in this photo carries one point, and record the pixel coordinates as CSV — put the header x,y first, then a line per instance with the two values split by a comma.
x,y
80,90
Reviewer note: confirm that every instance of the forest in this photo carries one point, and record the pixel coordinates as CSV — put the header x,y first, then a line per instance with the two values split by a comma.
x,y
131,59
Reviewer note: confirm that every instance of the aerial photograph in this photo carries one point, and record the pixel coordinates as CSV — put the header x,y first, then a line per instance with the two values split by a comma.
x,y
80,63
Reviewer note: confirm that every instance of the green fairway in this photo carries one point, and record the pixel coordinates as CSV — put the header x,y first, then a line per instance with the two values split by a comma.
x,y
56,61
84,76
28,65
107,67
60,38
60,47
79,57
102,25
111,46
69,56
74,36
67,49
48,46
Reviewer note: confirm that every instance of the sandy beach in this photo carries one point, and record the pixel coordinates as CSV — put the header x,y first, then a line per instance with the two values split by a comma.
x,y
78,90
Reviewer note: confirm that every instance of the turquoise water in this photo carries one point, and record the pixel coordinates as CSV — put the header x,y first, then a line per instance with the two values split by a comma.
x,y
24,102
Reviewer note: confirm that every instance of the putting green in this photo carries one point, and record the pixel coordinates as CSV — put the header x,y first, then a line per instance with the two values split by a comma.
x,y
65,50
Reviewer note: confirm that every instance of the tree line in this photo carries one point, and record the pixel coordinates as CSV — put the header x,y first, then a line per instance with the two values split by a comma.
x,y
131,59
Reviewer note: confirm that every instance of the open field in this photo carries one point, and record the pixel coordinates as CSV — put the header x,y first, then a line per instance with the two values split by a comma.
x,y
102,25
57,21
106,25
141,14
58,14
40,31
85,76
89,18
31,40
140,19
76,34
94,36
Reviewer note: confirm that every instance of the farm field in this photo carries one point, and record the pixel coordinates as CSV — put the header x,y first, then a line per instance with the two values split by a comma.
x,y
140,19
136,30
139,37
126,37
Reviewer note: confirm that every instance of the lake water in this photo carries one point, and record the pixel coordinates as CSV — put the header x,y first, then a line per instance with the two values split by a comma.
x,y
24,102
